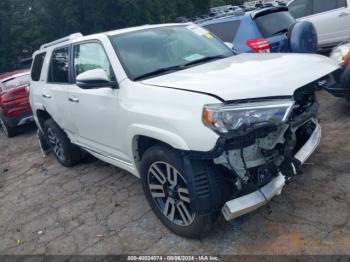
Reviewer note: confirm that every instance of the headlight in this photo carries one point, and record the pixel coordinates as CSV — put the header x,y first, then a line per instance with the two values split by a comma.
x,y
224,118
341,54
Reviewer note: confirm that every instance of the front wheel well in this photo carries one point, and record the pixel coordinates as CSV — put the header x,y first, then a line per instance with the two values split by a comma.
x,y
42,116
141,144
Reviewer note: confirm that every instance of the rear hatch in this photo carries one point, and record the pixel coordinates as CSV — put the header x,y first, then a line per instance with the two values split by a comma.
x,y
273,24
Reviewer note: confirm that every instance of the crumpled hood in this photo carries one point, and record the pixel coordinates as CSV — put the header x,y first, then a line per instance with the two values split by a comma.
x,y
249,76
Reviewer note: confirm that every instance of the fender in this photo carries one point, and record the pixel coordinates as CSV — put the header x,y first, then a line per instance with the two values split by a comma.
x,y
159,134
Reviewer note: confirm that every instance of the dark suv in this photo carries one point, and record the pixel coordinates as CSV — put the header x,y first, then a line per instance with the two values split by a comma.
x,y
270,29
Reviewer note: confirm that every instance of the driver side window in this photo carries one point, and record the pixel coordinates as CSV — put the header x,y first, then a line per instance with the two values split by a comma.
x,y
89,56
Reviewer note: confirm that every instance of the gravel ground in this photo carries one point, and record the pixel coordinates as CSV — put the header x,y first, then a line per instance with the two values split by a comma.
x,y
96,208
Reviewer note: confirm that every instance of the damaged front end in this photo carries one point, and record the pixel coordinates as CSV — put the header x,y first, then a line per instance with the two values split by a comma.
x,y
263,144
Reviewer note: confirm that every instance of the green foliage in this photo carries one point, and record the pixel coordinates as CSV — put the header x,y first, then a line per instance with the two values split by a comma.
x,y
26,24
215,3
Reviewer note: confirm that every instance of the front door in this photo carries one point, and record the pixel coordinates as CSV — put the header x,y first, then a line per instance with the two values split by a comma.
x,y
95,111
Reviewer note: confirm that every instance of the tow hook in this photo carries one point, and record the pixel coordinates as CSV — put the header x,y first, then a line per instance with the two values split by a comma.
x,y
290,168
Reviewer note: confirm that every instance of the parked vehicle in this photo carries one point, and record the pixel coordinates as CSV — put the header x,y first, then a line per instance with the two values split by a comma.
x,y
15,109
331,19
341,55
205,129
270,29
22,64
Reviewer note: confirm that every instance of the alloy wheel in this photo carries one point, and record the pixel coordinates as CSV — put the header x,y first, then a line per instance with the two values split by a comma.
x,y
56,144
169,191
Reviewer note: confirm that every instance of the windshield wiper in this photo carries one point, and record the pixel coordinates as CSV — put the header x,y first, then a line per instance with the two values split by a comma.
x,y
178,67
285,30
205,59
160,71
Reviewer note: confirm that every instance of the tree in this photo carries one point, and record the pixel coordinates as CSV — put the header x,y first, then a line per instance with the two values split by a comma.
x,y
215,3
26,24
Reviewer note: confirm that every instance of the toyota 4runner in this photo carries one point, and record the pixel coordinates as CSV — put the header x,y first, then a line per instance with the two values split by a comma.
x,y
206,130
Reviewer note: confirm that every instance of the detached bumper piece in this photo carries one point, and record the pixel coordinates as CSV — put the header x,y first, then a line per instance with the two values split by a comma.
x,y
248,203
338,83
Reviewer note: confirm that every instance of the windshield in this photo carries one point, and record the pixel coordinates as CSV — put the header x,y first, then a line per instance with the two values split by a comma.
x,y
166,49
15,82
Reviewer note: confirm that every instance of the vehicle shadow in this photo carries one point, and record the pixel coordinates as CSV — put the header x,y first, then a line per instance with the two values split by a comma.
x,y
25,130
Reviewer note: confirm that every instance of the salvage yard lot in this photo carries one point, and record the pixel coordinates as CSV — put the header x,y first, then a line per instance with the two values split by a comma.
x,y
96,208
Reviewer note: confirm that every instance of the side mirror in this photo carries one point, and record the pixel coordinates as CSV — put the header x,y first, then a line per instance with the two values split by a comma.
x,y
229,45
96,78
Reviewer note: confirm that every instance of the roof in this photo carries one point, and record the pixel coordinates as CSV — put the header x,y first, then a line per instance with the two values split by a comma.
x,y
251,14
263,11
143,27
78,36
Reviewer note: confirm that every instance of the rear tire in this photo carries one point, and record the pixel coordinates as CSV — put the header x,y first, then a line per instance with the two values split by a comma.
x,y
8,130
167,185
65,152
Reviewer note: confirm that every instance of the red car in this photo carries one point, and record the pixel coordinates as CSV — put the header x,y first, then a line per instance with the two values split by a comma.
x,y
15,109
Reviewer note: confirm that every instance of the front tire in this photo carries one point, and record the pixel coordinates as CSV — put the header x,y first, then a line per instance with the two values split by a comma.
x,y
65,152
166,184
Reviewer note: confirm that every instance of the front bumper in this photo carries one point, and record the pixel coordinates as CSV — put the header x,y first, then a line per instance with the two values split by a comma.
x,y
339,85
248,203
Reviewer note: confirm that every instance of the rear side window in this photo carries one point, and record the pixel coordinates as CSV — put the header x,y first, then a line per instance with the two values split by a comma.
x,y
321,6
15,82
37,66
226,31
274,23
301,8
59,68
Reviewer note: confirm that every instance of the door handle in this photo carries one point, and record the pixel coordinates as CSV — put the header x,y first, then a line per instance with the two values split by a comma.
x,y
345,13
47,96
73,100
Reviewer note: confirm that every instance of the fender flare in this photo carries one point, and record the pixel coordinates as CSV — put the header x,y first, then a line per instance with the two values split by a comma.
x,y
162,135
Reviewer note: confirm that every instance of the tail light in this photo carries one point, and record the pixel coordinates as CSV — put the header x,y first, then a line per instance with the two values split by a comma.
x,y
15,102
259,45
13,94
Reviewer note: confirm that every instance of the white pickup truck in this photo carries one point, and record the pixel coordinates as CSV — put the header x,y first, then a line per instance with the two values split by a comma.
x,y
330,17
205,129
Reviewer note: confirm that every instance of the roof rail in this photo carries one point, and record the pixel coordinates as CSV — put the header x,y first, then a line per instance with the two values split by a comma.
x,y
62,40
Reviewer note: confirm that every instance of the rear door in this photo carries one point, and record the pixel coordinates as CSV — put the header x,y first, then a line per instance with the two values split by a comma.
x,y
54,93
37,80
330,17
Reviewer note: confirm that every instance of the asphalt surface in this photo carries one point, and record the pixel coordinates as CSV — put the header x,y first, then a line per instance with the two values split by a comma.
x,y
95,208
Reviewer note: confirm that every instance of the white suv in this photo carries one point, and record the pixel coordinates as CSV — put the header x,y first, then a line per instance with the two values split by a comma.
x,y
205,129
330,17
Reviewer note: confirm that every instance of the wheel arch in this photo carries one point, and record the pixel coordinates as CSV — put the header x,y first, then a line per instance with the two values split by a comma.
x,y
42,116
141,138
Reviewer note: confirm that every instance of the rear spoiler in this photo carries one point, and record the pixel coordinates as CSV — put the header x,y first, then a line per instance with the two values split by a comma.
x,y
265,11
